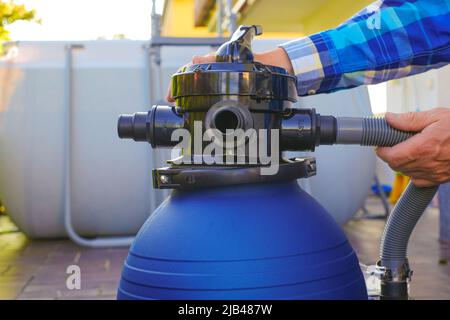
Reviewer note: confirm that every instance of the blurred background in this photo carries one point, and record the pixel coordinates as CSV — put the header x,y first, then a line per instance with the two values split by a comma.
x,y
68,68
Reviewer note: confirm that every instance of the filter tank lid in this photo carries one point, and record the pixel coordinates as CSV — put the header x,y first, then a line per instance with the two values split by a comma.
x,y
235,73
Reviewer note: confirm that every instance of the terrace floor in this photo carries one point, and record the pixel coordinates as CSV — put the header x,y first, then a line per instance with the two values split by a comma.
x,y
37,269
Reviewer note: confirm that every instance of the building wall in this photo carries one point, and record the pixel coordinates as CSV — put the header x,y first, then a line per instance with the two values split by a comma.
x,y
178,20
280,19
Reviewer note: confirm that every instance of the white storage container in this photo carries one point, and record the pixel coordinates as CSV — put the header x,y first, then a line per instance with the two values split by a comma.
x,y
111,190
110,178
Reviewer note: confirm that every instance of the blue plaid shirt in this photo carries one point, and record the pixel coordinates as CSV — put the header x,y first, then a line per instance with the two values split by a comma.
x,y
389,39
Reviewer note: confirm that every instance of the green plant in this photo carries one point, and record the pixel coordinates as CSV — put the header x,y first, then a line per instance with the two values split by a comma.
x,y
11,12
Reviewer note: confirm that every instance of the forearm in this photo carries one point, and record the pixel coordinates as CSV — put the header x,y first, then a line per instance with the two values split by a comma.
x,y
413,37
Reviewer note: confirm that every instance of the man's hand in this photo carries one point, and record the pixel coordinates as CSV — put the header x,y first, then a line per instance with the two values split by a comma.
x,y
195,60
277,57
426,156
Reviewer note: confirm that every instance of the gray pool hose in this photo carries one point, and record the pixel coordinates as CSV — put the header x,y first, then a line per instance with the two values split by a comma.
x,y
406,213
373,131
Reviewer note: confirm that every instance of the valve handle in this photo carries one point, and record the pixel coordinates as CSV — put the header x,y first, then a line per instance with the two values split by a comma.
x,y
239,47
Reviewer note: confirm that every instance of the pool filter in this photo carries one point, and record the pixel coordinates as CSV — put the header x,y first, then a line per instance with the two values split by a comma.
x,y
237,225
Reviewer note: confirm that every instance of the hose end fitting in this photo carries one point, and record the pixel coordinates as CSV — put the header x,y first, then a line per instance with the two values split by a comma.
x,y
155,126
304,129
133,126
395,280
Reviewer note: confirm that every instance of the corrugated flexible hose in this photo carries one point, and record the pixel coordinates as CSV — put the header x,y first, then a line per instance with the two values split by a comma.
x,y
408,210
413,202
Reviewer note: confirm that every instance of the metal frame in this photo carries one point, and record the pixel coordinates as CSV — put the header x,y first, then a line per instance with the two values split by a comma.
x,y
68,101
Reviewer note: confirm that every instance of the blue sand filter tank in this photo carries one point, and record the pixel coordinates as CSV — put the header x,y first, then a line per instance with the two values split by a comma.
x,y
261,241
229,230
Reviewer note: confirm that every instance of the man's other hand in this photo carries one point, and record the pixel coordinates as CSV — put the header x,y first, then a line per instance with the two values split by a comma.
x,y
426,156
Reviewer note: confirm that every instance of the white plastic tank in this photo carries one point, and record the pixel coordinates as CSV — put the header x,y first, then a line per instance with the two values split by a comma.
x,y
111,189
110,178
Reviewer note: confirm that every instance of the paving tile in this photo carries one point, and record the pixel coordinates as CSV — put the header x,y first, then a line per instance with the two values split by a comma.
x,y
37,269
9,291
430,280
18,281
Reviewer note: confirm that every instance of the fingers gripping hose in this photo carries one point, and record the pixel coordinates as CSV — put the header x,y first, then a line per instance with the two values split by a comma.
x,y
409,208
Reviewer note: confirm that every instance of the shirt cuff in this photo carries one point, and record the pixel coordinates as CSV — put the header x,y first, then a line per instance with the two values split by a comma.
x,y
307,64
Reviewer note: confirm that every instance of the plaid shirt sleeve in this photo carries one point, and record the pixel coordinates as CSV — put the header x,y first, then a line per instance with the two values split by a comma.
x,y
389,39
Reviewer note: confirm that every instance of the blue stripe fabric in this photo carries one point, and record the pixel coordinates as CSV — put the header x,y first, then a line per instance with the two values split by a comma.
x,y
387,40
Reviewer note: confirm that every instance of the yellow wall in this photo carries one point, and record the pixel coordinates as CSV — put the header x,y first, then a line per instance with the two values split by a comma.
x,y
178,20
332,14
296,18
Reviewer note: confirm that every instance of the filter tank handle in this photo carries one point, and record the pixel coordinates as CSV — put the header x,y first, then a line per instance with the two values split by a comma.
x,y
239,47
